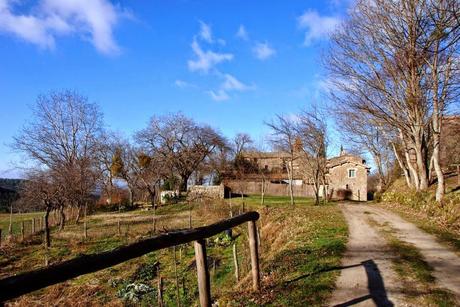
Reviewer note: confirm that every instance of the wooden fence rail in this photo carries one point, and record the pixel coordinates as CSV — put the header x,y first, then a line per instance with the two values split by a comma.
x,y
15,286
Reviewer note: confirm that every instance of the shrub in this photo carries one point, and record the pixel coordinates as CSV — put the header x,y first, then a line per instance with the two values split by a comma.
x,y
447,213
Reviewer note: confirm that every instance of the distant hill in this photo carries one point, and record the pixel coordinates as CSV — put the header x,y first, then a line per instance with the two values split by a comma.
x,y
11,184
9,190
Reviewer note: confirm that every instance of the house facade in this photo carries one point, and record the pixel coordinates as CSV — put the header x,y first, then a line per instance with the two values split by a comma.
x,y
346,176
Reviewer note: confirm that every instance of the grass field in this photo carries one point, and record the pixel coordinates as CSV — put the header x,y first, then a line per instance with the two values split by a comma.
x,y
299,246
16,222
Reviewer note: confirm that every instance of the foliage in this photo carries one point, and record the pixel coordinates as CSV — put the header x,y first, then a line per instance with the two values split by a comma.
x,y
134,292
145,272
117,163
223,240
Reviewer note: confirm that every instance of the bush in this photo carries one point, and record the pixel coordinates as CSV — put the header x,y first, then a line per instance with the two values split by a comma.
x,y
135,292
447,213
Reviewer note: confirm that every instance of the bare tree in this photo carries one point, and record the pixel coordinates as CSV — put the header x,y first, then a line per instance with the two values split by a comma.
x,y
183,144
362,132
283,137
440,47
41,190
382,64
124,166
241,165
62,138
312,135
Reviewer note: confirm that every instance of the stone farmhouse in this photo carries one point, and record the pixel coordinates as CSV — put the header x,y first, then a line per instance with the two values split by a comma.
x,y
346,176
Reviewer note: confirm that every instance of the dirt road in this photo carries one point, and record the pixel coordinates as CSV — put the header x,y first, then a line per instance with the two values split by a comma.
x,y
367,277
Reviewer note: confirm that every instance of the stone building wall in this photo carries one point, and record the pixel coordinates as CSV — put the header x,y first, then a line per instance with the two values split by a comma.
x,y
450,143
339,182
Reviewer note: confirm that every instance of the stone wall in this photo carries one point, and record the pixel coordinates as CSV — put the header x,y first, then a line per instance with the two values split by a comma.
x,y
206,192
167,195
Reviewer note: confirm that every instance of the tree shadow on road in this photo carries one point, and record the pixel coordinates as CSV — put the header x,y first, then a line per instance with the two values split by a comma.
x,y
375,284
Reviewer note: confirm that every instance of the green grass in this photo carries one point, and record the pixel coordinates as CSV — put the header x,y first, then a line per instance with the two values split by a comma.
x,y
272,201
17,218
301,247
303,270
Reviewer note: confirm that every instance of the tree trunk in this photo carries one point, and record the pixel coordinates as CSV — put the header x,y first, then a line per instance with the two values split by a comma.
x,y
183,182
440,189
47,229
421,165
77,219
402,166
62,220
414,176
10,226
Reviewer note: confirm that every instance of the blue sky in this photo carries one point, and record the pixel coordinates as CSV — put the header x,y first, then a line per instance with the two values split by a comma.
x,y
231,64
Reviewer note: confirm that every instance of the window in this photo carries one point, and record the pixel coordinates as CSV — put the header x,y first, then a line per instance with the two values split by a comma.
x,y
351,173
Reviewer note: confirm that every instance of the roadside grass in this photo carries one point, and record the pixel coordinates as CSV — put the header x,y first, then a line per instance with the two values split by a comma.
x,y
416,274
300,247
303,247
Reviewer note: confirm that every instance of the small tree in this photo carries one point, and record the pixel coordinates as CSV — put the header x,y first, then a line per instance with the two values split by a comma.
x,y
312,136
41,190
284,135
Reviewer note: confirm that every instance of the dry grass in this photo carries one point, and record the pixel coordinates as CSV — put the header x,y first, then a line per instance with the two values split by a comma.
x,y
295,241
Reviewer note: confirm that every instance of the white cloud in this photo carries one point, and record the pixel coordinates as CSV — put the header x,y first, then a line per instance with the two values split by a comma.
x,y
263,51
233,84
183,84
220,95
242,33
206,60
52,18
318,27
228,85
205,32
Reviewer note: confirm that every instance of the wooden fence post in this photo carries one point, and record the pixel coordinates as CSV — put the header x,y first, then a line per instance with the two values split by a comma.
x,y
204,286
33,225
85,226
160,291
253,246
118,227
235,260
177,278
23,230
